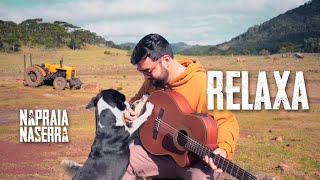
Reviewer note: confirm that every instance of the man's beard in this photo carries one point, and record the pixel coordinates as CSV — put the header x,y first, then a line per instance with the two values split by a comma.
x,y
162,80
158,83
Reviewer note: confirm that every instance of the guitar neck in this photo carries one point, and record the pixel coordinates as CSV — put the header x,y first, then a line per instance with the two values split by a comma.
x,y
221,162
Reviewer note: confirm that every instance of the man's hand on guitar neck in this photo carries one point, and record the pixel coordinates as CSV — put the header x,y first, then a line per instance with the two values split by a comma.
x,y
209,161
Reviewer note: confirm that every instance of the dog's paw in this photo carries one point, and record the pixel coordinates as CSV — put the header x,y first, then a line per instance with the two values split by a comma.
x,y
70,167
149,108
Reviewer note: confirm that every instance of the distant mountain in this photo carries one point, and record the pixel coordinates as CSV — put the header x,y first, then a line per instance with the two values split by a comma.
x,y
180,46
175,46
293,29
198,50
129,46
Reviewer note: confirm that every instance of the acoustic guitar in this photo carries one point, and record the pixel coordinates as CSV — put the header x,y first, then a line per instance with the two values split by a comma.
x,y
173,129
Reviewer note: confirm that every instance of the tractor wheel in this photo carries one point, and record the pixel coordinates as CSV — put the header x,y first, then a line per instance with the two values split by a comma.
x,y
60,83
33,76
78,83
72,83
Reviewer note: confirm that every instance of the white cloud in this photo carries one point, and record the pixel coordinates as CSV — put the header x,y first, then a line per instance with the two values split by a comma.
x,y
135,30
87,10
196,22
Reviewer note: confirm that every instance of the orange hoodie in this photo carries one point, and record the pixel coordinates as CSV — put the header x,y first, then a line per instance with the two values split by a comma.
x,y
192,84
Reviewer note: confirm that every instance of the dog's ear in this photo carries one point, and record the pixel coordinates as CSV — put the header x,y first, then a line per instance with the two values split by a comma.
x,y
120,101
92,103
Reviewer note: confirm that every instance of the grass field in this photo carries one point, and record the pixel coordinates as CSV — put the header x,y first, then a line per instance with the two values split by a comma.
x,y
281,144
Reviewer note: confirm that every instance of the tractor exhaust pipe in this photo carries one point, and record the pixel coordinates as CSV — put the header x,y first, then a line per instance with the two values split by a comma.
x,y
24,65
61,61
24,61
30,59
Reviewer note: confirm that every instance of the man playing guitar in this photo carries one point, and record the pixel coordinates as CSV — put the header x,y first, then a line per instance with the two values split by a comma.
x,y
154,58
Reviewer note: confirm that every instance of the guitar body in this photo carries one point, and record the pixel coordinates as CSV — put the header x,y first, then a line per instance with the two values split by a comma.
x,y
173,130
172,124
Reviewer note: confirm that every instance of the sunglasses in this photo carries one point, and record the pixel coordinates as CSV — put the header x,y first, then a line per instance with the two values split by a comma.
x,y
149,71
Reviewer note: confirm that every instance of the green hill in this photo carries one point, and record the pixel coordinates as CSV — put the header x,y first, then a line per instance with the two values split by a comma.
x,y
35,32
293,27
295,30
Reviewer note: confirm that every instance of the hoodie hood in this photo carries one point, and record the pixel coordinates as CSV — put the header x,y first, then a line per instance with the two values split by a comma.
x,y
192,67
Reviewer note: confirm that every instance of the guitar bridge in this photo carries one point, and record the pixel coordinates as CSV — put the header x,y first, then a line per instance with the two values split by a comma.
x,y
157,124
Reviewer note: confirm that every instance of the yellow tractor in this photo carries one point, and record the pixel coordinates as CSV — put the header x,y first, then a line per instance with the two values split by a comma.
x,y
57,75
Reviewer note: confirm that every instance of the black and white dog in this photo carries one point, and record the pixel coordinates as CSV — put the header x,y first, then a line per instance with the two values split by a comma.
x,y
109,156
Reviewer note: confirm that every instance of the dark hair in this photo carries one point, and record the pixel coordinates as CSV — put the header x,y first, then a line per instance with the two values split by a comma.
x,y
153,46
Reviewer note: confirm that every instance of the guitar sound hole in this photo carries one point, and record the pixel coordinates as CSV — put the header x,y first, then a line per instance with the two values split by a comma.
x,y
182,138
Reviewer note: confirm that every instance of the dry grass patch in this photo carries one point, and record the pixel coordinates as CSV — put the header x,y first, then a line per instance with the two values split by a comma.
x,y
295,155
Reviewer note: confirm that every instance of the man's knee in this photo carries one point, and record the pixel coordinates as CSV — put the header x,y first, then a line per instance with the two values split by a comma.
x,y
135,151
199,171
140,164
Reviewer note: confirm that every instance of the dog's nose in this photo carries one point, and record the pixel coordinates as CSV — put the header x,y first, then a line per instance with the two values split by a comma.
x,y
122,107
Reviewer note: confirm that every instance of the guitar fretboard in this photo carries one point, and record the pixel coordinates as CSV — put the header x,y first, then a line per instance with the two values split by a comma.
x,y
222,163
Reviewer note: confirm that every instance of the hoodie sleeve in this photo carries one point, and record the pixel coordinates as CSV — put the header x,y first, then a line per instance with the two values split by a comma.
x,y
195,91
228,130
193,86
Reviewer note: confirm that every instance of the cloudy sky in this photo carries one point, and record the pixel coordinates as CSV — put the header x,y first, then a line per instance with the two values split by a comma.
x,y
191,21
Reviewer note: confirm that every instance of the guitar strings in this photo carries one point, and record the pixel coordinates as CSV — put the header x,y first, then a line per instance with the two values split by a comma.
x,y
245,174
184,137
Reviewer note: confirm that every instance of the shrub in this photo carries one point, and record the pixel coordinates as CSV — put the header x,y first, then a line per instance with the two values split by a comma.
x,y
107,52
264,52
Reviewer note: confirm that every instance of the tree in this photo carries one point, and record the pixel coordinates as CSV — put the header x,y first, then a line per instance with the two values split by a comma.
x,y
109,44
264,52
67,26
312,45
13,42
10,33
249,51
34,32
288,48
75,44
